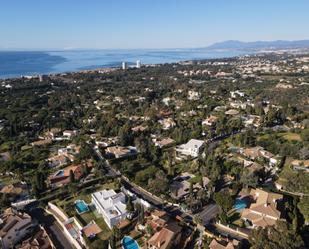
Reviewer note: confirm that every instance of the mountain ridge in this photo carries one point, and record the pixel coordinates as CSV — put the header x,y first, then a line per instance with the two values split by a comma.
x,y
277,44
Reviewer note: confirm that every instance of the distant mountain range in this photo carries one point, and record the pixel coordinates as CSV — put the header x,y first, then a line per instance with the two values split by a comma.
x,y
259,45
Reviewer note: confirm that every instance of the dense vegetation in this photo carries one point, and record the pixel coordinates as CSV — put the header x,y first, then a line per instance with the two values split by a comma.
x,y
113,103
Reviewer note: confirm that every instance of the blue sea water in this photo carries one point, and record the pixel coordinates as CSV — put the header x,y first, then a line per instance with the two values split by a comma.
x,y
18,63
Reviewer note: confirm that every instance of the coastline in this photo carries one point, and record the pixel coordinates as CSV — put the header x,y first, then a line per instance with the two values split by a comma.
x,y
32,64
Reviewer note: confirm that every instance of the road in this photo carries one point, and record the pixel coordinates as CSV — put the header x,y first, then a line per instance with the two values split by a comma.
x,y
224,136
52,227
127,184
209,212
111,172
155,201
141,193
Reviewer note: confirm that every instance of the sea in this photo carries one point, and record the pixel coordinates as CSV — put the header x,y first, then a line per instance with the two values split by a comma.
x,y
27,63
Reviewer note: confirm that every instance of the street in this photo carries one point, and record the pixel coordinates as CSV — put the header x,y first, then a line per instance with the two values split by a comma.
x,y
157,202
208,213
111,172
140,193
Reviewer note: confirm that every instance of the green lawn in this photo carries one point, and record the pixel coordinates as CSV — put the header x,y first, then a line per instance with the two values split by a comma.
x,y
180,167
286,172
6,180
86,218
6,146
85,194
263,137
108,185
291,136
196,179
293,181
235,218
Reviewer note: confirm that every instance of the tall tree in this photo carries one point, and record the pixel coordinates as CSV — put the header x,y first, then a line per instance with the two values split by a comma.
x,y
303,206
72,176
125,135
224,200
130,206
280,236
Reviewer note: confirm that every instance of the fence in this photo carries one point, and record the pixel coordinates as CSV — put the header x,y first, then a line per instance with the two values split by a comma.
x,y
238,231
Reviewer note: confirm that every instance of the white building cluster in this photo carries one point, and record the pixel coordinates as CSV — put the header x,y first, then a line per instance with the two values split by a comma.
x,y
110,205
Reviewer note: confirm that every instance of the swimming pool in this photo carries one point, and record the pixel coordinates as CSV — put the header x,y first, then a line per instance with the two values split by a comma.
x,y
240,204
129,243
59,173
81,207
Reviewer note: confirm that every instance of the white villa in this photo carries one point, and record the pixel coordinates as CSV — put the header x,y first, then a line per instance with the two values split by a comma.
x,y
192,148
111,205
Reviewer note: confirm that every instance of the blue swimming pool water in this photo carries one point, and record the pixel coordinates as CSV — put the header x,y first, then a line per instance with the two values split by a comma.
x,y
129,243
81,206
240,204
60,173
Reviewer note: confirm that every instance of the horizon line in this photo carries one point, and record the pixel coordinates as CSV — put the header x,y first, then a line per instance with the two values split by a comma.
x,y
146,48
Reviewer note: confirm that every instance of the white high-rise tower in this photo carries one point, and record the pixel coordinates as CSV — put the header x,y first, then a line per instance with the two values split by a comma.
x,y
124,65
138,64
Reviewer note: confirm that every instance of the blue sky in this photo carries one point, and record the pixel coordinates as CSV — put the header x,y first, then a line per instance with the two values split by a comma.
x,y
43,24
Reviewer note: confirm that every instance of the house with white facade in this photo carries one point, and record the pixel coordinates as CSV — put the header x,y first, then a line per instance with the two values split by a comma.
x,y
193,95
237,93
70,133
167,123
111,205
300,165
192,148
210,121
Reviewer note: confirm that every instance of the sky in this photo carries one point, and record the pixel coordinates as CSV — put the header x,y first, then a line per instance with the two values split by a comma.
x,y
126,24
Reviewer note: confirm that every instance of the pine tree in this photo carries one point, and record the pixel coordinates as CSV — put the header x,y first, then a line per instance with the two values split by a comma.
x,y
72,176
130,206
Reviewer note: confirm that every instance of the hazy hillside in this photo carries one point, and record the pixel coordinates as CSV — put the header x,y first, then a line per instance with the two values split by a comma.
x,y
233,44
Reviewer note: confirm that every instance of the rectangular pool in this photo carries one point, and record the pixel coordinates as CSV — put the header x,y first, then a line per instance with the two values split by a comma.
x,y
81,207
